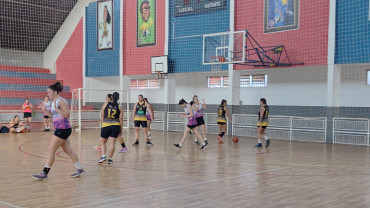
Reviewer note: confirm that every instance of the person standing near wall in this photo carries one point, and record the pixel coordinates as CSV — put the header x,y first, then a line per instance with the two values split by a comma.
x,y
27,113
263,122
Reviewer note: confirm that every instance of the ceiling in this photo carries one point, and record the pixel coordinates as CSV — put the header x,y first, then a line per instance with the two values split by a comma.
x,y
30,25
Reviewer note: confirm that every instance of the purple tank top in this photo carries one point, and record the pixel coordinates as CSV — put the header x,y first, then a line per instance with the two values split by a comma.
x,y
199,113
191,120
58,121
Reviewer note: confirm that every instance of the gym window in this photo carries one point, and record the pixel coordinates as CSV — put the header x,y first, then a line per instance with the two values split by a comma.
x,y
258,80
218,82
144,83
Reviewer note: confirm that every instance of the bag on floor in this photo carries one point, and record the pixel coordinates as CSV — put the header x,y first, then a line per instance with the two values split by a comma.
x,y
4,129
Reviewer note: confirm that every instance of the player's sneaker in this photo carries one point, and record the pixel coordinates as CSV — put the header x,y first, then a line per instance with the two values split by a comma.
x,y
110,161
149,143
124,149
78,173
206,141
41,176
258,145
196,142
102,159
136,142
268,142
177,146
203,147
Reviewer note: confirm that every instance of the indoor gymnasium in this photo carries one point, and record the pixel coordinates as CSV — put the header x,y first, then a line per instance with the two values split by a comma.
x,y
185,103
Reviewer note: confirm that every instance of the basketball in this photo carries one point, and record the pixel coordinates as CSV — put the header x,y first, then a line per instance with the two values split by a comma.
x,y
235,139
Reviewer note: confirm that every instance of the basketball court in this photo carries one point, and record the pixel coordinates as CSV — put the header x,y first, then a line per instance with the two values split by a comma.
x,y
299,69
288,174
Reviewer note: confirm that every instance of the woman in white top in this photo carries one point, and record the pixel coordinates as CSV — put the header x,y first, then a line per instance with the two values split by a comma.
x,y
47,120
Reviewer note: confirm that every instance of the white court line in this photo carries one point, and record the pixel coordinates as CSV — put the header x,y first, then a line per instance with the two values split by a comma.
x,y
177,187
11,205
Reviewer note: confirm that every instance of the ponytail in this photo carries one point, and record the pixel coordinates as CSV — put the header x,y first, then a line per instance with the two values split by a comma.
x,y
56,87
223,102
182,101
115,97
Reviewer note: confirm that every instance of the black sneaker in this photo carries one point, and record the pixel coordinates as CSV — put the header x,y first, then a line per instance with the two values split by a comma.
x,y
258,145
203,147
268,142
149,143
177,146
102,159
110,161
45,130
136,143
41,176
206,142
196,142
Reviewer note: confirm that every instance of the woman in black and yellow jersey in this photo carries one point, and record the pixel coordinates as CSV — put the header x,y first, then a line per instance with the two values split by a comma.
x,y
112,114
263,122
140,119
222,112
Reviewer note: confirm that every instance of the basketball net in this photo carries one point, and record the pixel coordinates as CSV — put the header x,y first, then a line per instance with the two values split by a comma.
x,y
217,62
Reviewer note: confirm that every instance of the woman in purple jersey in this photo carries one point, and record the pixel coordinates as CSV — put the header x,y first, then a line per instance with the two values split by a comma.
x,y
192,124
59,114
198,108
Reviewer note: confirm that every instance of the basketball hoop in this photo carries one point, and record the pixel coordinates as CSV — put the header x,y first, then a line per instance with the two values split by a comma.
x,y
159,74
216,62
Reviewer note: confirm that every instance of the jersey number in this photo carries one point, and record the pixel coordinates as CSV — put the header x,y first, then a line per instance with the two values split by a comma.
x,y
111,113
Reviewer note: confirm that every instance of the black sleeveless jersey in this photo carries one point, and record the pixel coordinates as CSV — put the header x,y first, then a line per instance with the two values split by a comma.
x,y
111,114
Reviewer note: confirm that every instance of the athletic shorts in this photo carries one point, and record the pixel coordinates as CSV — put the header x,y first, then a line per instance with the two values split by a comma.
x,y
263,127
63,133
192,126
221,123
142,123
46,116
200,121
27,115
110,131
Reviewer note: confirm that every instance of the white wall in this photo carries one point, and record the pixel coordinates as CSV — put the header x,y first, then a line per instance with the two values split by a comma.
x,y
354,92
300,86
103,86
61,38
190,84
21,58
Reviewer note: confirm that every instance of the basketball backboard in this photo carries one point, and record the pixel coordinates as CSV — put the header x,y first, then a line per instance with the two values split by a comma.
x,y
159,64
228,45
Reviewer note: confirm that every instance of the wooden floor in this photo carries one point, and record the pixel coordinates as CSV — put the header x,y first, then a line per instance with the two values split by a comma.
x,y
288,174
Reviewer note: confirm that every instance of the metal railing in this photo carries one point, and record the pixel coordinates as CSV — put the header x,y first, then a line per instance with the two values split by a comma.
x,y
354,131
283,127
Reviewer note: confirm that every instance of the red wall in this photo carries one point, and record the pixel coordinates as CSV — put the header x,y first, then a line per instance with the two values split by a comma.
x,y
69,63
308,44
136,60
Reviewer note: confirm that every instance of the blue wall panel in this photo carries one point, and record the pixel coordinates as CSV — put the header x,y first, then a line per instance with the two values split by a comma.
x,y
352,32
185,53
104,62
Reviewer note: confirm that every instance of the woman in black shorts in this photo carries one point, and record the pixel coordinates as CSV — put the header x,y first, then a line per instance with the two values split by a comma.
x,y
140,119
27,113
192,124
222,112
198,109
112,113
60,115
